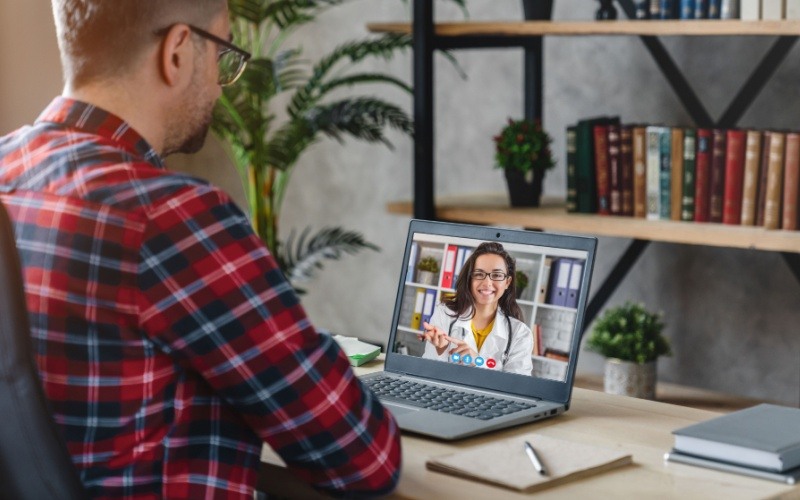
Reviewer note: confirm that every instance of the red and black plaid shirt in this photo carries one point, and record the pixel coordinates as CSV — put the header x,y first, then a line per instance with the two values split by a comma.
x,y
169,343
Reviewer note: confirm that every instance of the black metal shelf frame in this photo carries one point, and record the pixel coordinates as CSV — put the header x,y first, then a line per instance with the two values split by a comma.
x,y
426,42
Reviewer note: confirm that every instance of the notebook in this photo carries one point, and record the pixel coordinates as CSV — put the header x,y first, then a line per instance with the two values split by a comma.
x,y
524,369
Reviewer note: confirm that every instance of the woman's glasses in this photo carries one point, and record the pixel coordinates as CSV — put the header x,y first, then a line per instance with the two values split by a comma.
x,y
494,275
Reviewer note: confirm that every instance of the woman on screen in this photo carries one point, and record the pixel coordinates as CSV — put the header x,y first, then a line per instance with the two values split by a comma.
x,y
481,325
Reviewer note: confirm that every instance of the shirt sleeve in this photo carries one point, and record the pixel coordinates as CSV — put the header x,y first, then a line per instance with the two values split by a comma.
x,y
214,298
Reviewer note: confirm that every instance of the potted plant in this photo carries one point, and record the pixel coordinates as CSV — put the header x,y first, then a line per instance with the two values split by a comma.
x,y
630,338
522,150
427,271
521,281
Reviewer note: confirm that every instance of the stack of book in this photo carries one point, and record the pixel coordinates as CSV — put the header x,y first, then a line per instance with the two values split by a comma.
x,y
762,441
732,176
746,10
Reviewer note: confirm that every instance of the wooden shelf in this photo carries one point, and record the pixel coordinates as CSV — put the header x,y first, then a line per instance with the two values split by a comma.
x,y
625,27
552,216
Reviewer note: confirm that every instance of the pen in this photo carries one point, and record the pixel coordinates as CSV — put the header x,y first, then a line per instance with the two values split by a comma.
x,y
535,459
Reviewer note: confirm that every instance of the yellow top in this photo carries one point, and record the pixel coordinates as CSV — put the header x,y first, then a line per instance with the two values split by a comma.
x,y
480,335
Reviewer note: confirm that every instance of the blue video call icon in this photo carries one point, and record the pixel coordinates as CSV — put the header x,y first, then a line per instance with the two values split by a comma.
x,y
456,357
479,361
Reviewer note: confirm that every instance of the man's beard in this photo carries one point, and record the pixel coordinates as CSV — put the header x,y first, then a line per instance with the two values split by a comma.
x,y
188,130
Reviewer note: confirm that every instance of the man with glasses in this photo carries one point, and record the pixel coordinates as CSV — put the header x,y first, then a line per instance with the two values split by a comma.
x,y
169,343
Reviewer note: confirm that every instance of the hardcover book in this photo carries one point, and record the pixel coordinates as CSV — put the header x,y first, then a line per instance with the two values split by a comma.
x,y
772,202
626,167
602,168
765,436
689,148
584,164
734,177
701,9
653,172
791,177
763,170
665,175
615,169
676,173
705,143
639,172
752,158
572,174
717,185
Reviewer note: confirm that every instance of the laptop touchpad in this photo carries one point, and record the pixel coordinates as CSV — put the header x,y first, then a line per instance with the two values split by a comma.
x,y
398,410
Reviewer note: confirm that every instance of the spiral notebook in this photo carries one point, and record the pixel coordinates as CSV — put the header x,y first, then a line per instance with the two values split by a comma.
x,y
505,463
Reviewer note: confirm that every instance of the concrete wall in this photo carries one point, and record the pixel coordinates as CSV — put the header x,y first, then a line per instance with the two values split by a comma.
x,y
732,315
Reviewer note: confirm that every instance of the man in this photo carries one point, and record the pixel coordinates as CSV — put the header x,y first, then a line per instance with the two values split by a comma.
x,y
169,343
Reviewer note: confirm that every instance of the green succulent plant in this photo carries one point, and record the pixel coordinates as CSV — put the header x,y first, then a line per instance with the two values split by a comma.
x,y
629,332
429,264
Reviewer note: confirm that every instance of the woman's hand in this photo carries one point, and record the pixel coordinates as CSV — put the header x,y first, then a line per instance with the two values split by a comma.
x,y
436,337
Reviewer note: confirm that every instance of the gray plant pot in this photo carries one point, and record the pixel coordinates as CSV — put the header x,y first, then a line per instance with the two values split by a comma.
x,y
630,379
426,278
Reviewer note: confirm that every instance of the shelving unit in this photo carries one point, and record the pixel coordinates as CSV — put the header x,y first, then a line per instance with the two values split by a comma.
x,y
528,35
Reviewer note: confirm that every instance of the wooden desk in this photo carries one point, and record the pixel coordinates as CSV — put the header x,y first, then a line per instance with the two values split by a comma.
x,y
640,427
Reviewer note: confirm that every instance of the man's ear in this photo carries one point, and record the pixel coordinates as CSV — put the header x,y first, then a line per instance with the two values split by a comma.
x,y
176,56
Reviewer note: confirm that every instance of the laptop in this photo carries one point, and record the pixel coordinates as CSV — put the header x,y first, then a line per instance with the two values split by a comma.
x,y
524,369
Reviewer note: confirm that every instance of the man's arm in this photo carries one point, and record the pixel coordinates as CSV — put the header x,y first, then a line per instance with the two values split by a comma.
x,y
215,298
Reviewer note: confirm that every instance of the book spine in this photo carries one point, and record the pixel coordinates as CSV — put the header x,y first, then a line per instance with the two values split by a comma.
x,y
772,203
791,177
626,167
763,170
734,177
572,173
714,9
676,173
701,9
602,169
687,9
584,160
717,186
655,9
752,157
639,172
705,144
614,169
667,9
665,180
653,172
689,148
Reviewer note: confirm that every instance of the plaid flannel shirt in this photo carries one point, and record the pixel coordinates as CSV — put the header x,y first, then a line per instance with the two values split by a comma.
x,y
169,343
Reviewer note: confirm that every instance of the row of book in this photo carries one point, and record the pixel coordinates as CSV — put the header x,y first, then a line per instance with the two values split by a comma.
x,y
746,10
732,176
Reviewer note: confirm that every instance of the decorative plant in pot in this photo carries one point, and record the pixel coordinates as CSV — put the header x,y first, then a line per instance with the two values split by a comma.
x,y
522,150
630,338
521,282
265,142
427,270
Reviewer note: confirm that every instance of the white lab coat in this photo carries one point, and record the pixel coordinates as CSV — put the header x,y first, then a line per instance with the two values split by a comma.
x,y
519,356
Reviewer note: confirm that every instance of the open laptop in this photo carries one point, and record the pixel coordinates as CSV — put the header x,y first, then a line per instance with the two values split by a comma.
x,y
450,396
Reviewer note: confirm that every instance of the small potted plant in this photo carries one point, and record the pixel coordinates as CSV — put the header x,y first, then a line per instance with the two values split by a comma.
x,y
522,150
630,338
521,281
427,271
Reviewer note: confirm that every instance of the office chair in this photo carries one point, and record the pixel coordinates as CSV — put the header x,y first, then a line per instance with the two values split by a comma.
x,y
34,461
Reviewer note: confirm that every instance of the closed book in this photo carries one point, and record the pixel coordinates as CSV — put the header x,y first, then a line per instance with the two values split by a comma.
x,y
750,10
729,9
772,202
667,10
602,169
701,9
717,185
584,164
791,177
665,175
763,170
655,9
572,173
752,157
614,169
639,172
791,476
626,167
687,9
702,194
714,9
676,173
689,150
653,172
765,436
734,177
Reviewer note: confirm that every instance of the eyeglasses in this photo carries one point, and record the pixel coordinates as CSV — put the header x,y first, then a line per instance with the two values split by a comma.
x,y
494,275
231,60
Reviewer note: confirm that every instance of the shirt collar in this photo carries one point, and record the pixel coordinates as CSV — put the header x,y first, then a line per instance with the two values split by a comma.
x,y
94,120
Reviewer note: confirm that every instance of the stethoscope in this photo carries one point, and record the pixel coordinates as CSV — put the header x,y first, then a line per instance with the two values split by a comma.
x,y
508,341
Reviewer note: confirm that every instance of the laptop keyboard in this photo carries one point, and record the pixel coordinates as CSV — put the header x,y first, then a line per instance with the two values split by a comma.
x,y
443,399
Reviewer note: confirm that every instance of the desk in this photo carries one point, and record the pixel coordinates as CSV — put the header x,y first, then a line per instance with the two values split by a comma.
x,y
642,428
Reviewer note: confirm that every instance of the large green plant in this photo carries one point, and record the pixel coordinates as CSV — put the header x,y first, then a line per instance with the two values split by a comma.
x,y
265,139
629,332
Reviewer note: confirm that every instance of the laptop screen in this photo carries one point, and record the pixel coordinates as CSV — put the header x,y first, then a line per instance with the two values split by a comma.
x,y
455,275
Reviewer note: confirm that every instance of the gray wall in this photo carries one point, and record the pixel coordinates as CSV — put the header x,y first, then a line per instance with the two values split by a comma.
x,y
731,314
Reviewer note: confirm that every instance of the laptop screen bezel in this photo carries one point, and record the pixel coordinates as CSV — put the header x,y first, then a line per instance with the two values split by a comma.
x,y
551,390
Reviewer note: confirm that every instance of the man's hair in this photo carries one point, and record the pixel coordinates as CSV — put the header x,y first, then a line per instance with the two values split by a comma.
x,y
100,39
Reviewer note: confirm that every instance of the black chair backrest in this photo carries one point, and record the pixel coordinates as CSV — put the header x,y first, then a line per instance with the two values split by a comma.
x,y
34,462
